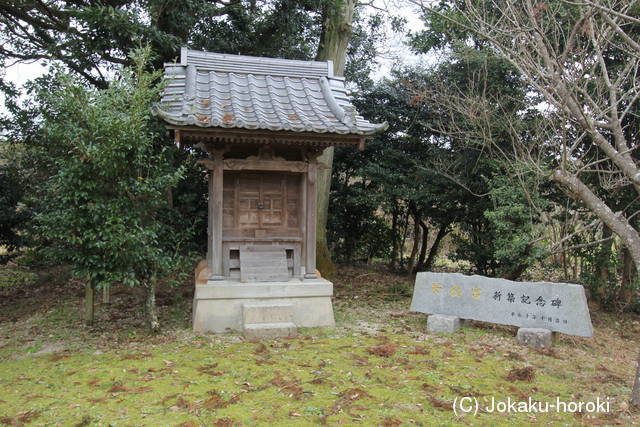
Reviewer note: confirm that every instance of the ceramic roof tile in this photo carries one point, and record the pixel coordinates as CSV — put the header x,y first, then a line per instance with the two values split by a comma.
x,y
232,91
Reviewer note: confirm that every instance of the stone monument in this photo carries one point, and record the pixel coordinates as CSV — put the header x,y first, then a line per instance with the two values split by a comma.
x,y
538,308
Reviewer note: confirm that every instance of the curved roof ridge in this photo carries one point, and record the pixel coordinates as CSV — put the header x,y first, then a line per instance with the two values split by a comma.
x,y
204,91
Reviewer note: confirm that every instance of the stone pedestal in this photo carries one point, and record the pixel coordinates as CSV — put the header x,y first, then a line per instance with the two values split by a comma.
x,y
442,324
267,320
219,306
534,337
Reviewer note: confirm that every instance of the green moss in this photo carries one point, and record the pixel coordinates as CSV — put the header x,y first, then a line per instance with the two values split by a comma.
x,y
299,381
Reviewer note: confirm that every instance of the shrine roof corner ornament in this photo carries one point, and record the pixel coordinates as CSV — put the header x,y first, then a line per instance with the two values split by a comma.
x,y
212,90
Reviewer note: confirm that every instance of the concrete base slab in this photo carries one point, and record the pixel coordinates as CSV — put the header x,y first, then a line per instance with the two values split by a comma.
x,y
267,312
218,306
269,330
442,324
534,337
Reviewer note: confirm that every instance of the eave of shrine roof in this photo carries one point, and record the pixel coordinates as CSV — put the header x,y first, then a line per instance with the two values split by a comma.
x,y
232,91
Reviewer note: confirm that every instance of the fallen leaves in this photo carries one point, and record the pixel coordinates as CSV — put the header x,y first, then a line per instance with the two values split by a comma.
x,y
217,401
514,356
443,405
225,422
423,350
21,419
261,349
521,374
135,356
383,350
291,387
548,351
347,399
118,387
390,422
58,356
92,382
522,395
209,369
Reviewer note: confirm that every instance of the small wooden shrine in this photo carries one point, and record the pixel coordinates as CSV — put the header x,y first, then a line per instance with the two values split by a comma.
x,y
263,123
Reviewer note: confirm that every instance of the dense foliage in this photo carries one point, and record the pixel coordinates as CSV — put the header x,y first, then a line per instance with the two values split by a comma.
x,y
12,215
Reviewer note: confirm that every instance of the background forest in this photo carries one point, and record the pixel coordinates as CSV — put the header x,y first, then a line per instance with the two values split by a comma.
x,y
460,181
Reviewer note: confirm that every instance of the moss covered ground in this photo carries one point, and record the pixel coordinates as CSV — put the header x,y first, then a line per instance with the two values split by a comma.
x,y
377,367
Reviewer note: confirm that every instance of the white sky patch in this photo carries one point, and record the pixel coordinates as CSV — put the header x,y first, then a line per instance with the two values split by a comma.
x,y
19,74
396,53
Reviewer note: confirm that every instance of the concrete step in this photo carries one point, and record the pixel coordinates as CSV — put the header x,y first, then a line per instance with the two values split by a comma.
x,y
267,313
270,330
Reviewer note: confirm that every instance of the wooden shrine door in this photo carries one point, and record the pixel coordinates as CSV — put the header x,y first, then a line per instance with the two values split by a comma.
x,y
261,205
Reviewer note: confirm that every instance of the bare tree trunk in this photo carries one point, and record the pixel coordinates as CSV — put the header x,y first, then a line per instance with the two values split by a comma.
x,y
617,223
416,245
603,264
337,17
423,247
150,305
433,252
394,239
88,303
404,237
106,295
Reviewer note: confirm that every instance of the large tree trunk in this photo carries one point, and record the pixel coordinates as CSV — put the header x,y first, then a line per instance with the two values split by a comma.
x,y
337,16
150,305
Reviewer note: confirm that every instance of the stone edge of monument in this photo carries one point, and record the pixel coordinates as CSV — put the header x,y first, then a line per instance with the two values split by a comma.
x,y
581,315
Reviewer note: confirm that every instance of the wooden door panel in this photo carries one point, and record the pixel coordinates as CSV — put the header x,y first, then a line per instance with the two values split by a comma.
x,y
248,200
261,201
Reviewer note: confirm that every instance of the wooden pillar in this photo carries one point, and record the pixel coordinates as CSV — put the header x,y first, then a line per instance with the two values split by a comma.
x,y
310,238
214,247
210,210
